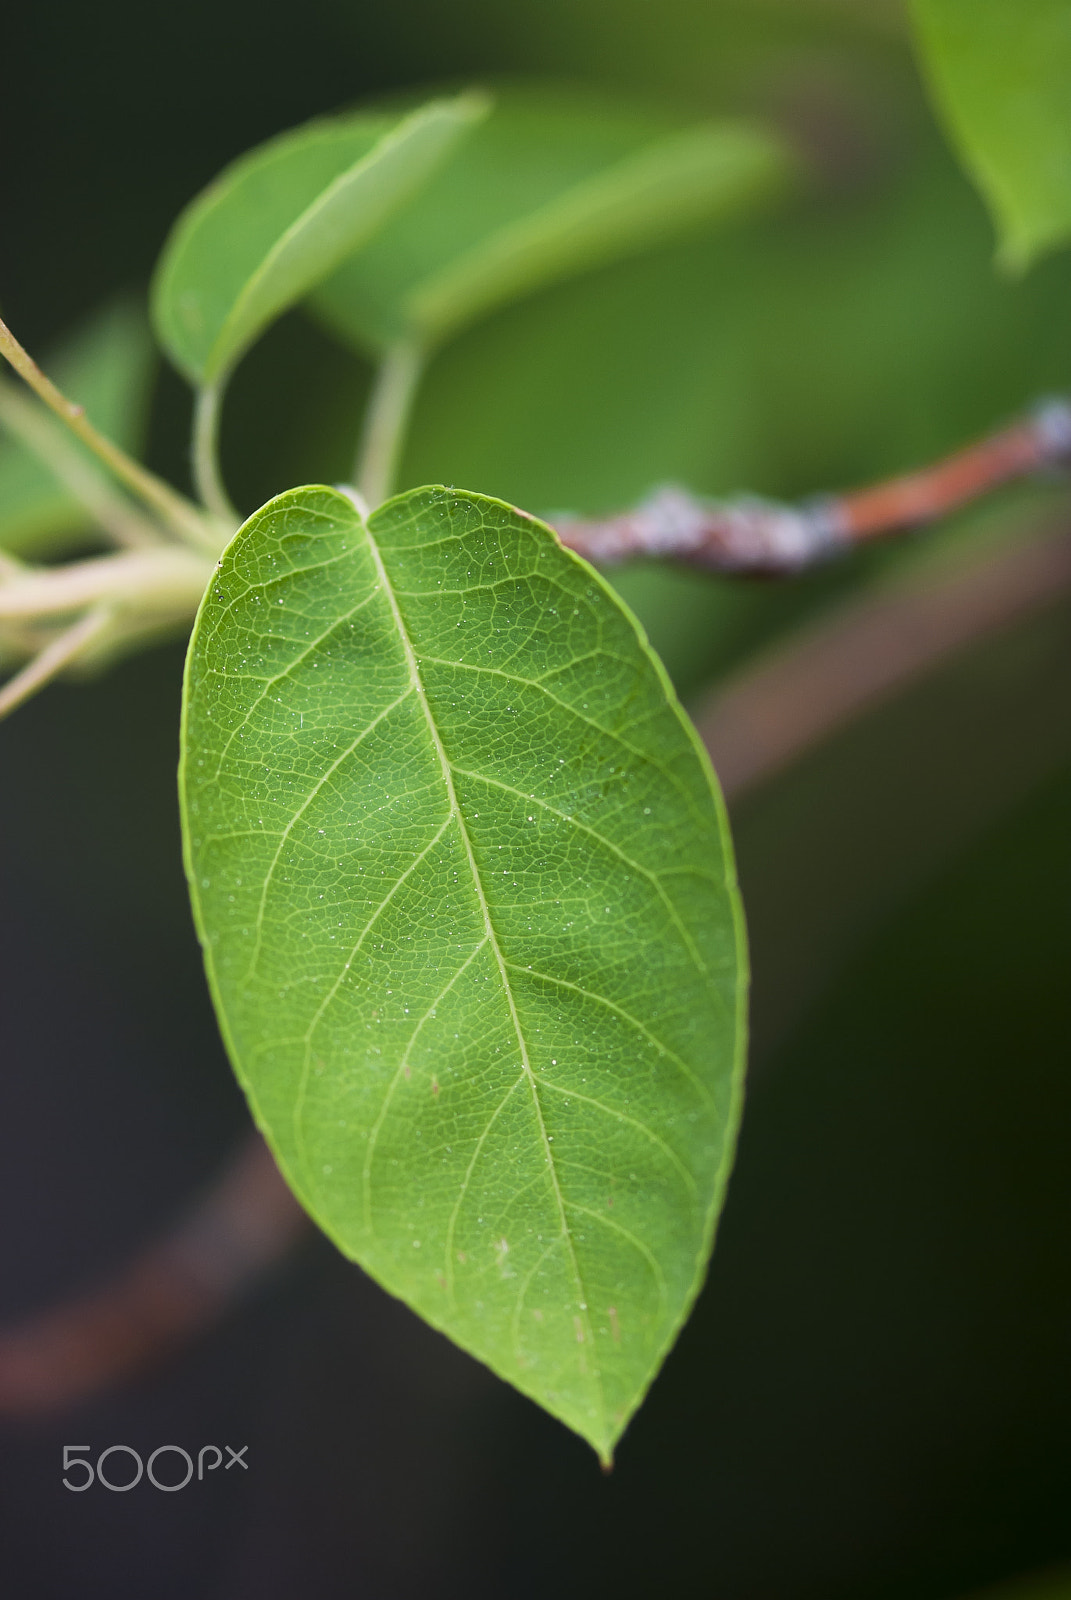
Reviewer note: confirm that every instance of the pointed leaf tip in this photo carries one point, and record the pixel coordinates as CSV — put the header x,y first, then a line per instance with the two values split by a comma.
x,y
999,75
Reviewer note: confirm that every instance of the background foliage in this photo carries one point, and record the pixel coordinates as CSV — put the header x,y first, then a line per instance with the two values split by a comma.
x,y
873,1397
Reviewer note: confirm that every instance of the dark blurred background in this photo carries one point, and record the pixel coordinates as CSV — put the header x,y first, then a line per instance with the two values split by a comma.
x,y
872,1400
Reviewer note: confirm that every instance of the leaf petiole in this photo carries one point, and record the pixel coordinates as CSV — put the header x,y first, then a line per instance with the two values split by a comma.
x,y
386,420
206,469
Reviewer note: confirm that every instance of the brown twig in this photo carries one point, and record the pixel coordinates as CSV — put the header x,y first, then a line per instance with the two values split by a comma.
x,y
776,709
762,536
177,1287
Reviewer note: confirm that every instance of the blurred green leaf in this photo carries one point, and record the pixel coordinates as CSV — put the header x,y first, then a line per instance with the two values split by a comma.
x,y
1001,74
281,218
550,185
466,893
804,353
106,367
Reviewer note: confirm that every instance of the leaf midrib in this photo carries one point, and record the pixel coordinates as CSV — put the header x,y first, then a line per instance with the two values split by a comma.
x,y
217,368
492,937
431,308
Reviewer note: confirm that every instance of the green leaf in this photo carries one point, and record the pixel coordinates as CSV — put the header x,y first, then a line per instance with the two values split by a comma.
x,y
283,217
1001,75
549,186
465,888
106,367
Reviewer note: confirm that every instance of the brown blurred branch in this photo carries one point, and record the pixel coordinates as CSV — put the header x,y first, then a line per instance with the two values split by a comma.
x,y
778,708
765,537
180,1285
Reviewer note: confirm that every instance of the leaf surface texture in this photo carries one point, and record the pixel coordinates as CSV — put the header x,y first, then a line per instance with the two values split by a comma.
x,y
466,893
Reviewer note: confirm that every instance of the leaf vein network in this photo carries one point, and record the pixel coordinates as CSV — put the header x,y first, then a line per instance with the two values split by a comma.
x,y
537,684
626,1016
631,1122
299,1099
528,1072
280,677
366,1179
626,1233
316,789
608,844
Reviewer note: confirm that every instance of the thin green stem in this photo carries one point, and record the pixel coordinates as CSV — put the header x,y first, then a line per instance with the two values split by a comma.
x,y
386,420
179,514
56,655
206,470
112,512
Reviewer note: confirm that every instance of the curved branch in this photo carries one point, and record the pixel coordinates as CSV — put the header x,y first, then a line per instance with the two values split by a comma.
x,y
778,708
755,536
243,1225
